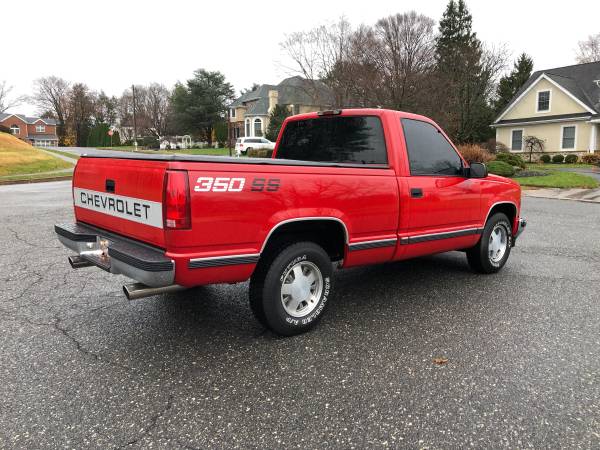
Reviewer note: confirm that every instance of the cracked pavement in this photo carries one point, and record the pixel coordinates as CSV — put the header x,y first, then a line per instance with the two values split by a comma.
x,y
81,367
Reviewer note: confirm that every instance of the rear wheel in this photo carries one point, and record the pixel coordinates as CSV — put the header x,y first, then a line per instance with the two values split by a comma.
x,y
290,288
493,249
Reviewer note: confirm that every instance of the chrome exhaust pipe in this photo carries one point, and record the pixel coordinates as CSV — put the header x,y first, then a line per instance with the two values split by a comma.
x,y
77,262
139,290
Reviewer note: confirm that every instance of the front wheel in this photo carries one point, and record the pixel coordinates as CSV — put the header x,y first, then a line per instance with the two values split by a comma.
x,y
289,289
493,249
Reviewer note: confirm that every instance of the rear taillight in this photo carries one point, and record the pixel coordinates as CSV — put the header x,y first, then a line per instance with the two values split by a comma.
x,y
176,200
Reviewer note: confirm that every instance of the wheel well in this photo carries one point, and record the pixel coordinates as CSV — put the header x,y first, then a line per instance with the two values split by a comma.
x,y
329,234
507,208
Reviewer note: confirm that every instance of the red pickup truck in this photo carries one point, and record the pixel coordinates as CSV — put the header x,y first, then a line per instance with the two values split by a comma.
x,y
344,187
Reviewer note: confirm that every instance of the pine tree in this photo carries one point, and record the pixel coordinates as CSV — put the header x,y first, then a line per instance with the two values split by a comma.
x,y
276,118
462,80
510,84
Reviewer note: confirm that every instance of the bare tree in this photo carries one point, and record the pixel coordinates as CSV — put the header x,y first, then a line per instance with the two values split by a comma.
x,y
6,101
589,49
125,111
80,112
533,144
104,108
51,94
157,108
385,65
405,55
318,53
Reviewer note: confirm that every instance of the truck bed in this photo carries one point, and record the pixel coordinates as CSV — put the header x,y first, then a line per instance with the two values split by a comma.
x,y
218,159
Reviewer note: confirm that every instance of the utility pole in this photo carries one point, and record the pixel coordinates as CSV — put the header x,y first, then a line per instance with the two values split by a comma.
x,y
134,124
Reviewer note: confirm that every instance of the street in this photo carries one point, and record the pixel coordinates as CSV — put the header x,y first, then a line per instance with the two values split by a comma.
x,y
81,367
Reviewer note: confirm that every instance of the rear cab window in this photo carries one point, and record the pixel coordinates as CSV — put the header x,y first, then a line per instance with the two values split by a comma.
x,y
429,152
339,139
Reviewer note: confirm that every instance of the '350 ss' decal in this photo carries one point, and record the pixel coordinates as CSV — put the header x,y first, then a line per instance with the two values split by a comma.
x,y
224,184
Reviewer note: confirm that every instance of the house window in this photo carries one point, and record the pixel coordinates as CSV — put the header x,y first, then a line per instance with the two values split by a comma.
x,y
14,129
247,127
40,128
516,140
543,101
232,113
258,127
568,137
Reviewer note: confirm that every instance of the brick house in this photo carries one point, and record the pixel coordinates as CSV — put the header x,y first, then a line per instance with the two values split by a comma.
x,y
35,130
249,114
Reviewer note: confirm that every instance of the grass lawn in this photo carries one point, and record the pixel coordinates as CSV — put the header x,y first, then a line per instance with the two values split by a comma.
x,y
14,179
19,158
559,180
67,154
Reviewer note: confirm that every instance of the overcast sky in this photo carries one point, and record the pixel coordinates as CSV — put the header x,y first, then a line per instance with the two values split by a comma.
x,y
111,44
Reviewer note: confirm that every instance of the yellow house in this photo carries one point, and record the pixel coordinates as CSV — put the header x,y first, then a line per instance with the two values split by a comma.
x,y
560,106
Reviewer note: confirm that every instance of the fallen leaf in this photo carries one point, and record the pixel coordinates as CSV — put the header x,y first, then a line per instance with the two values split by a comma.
x,y
440,361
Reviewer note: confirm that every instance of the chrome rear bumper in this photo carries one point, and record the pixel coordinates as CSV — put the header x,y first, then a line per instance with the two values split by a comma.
x,y
116,254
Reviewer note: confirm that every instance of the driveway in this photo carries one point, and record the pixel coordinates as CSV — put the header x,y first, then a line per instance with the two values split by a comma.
x,y
81,367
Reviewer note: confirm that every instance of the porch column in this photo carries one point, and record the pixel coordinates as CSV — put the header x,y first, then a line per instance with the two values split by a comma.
x,y
594,137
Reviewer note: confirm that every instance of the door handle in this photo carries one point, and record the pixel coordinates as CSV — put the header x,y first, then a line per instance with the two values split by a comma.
x,y
110,186
416,193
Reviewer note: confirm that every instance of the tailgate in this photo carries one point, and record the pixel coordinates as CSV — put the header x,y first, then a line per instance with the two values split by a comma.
x,y
121,195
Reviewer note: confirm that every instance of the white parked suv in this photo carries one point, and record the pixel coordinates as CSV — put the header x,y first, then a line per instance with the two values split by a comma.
x,y
242,145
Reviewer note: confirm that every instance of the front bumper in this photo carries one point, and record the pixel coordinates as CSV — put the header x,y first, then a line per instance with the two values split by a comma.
x,y
117,254
522,223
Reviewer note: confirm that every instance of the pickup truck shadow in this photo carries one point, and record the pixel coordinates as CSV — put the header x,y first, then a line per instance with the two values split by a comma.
x,y
205,322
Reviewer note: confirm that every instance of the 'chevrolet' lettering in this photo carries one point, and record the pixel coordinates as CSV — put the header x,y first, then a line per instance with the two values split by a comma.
x,y
129,208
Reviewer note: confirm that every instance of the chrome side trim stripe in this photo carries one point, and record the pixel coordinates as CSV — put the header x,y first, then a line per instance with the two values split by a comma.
x,y
367,245
217,261
437,236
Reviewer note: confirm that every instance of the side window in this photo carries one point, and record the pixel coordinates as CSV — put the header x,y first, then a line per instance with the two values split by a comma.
x,y
429,153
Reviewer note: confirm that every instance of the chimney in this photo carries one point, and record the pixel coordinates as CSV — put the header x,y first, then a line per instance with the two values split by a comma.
x,y
273,98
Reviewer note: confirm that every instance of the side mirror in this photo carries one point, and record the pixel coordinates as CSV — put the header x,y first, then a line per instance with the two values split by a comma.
x,y
477,170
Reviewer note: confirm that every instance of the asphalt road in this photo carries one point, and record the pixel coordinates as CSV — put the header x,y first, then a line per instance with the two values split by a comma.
x,y
81,367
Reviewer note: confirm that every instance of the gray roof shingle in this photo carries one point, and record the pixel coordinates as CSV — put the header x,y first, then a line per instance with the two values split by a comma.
x,y
29,120
291,91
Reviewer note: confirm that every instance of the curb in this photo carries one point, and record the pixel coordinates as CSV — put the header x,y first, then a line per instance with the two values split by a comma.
x,y
37,180
554,197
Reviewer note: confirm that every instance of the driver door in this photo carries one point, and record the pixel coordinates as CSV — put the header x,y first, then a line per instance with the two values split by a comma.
x,y
442,204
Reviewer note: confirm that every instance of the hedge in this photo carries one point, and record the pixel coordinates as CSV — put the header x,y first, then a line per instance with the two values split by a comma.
x,y
501,168
512,159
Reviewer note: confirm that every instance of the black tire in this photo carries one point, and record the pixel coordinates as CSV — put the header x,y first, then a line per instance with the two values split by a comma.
x,y
270,275
479,257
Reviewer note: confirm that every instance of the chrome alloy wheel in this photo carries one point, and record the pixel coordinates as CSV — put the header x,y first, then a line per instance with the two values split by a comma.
x,y
301,289
498,243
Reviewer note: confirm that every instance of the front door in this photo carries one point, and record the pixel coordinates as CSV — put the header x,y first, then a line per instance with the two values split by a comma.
x,y
442,204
